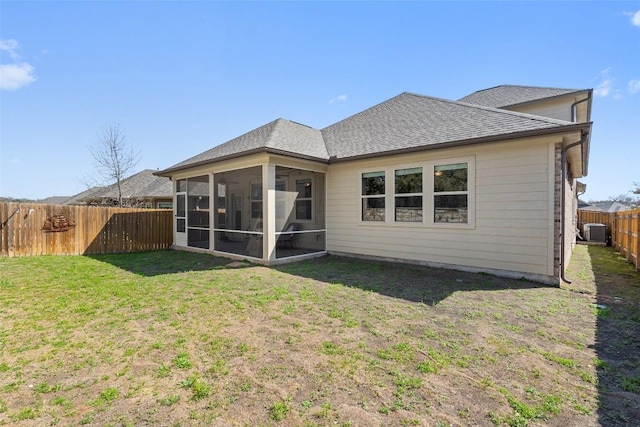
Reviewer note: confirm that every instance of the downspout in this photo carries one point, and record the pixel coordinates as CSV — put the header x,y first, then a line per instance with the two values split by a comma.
x,y
563,161
574,108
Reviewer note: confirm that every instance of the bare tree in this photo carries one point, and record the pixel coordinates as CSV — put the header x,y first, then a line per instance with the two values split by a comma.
x,y
114,158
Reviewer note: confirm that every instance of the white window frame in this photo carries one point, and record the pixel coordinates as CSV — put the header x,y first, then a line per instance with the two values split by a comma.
x,y
297,199
428,170
395,195
364,197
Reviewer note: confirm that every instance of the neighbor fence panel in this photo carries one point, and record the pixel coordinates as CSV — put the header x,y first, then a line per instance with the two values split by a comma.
x,y
29,229
626,239
594,217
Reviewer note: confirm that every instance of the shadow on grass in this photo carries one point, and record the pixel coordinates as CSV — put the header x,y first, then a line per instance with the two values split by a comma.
x,y
167,262
617,337
405,281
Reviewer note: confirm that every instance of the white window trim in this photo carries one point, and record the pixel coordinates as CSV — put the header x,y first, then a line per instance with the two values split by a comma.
x,y
312,198
395,169
427,194
362,197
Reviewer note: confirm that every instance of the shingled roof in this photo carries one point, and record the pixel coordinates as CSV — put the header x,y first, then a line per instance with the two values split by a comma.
x,y
508,95
280,135
409,121
144,184
403,123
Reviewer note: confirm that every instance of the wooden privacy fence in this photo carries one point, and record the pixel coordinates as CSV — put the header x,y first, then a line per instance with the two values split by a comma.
x,y
29,229
625,235
624,227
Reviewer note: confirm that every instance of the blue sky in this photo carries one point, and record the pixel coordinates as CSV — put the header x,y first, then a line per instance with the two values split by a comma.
x,y
180,77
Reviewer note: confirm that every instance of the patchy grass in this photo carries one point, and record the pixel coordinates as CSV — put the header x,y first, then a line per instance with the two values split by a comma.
x,y
176,338
615,287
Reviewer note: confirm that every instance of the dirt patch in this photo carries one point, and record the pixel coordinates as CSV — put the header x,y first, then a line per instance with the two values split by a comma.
x,y
170,338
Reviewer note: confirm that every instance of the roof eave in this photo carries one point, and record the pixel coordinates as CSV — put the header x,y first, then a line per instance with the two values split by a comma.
x,y
548,98
471,141
170,171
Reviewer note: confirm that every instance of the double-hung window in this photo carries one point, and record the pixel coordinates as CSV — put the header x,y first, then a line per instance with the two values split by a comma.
x,y
408,195
256,201
373,196
304,199
451,193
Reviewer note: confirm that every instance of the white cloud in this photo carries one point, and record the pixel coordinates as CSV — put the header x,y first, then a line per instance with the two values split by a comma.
x,y
603,89
635,18
16,75
606,88
339,98
634,86
10,46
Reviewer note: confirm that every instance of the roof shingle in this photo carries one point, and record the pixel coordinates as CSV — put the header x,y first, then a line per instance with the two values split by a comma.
x,y
508,95
282,135
410,121
405,122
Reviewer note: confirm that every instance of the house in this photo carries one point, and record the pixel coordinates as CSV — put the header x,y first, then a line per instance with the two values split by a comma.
x,y
143,189
606,206
485,184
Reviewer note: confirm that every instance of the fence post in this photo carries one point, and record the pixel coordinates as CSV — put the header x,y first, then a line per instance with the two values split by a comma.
x,y
637,226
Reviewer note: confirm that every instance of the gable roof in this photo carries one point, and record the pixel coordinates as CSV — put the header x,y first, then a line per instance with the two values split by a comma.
x,y
407,122
143,184
80,198
410,121
606,206
279,136
509,95
54,200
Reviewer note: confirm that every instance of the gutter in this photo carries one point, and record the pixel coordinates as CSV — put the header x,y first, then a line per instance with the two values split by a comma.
x,y
167,172
464,142
584,138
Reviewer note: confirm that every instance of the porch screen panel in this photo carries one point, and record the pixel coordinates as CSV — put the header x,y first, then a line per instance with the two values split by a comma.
x,y
299,212
238,212
198,212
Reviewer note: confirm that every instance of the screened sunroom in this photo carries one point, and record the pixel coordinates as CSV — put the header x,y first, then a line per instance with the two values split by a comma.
x,y
266,212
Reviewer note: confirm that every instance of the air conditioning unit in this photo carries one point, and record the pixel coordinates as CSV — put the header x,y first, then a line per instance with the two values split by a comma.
x,y
595,232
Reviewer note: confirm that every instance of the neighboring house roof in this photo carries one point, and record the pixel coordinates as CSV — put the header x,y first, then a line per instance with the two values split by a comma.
x,y
406,122
141,185
79,199
508,95
54,200
607,206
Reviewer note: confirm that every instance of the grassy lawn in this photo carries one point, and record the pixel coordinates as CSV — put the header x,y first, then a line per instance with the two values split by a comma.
x,y
176,338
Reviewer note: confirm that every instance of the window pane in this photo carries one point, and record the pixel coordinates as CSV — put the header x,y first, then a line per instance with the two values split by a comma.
x,y
372,183
450,177
409,181
373,209
181,185
181,225
256,210
256,191
409,209
303,209
451,208
303,188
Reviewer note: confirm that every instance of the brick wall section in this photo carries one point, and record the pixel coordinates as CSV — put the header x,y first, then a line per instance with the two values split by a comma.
x,y
557,211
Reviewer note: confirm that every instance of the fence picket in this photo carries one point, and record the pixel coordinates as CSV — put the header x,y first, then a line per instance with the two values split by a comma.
x,y
96,230
625,231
